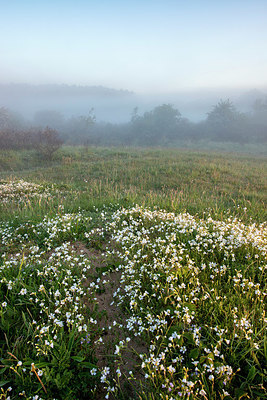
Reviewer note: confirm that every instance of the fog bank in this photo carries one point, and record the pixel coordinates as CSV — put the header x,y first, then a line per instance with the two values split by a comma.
x,y
116,106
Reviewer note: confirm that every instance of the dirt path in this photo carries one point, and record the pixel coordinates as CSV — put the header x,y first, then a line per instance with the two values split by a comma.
x,y
112,325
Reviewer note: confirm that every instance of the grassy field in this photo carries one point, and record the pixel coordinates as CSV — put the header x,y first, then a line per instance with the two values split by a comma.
x,y
175,180
132,274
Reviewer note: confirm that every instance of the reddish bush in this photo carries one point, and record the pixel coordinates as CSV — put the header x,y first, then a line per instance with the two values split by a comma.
x,y
45,141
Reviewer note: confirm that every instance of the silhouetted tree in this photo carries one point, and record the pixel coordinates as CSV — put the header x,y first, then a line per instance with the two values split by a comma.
x,y
157,126
224,113
226,123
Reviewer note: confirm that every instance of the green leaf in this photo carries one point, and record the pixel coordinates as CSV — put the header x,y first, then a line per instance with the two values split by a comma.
x,y
252,373
3,370
24,319
189,337
71,341
194,353
3,383
78,358
87,364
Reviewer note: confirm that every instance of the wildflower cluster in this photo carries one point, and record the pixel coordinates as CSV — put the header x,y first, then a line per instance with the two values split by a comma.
x,y
192,291
48,233
46,328
195,290
21,192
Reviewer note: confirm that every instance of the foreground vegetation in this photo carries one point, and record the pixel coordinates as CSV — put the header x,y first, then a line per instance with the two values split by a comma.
x,y
101,298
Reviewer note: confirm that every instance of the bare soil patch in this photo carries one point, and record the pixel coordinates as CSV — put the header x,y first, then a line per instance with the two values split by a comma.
x,y
112,325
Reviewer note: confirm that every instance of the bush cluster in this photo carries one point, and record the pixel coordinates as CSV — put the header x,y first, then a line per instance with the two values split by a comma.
x,y
45,141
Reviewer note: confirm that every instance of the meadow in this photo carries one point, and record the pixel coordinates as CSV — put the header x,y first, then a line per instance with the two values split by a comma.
x,y
132,274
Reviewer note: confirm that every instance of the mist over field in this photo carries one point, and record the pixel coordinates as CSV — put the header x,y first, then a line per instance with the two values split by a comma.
x,y
116,106
96,115
134,74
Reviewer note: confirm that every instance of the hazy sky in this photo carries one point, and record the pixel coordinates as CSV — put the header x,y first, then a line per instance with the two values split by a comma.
x,y
140,45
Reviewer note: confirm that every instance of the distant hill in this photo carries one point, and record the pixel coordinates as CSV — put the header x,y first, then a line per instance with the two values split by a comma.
x,y
109,104
15,89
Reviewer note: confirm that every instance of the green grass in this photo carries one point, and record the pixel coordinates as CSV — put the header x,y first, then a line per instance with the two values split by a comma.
x,y
176,180
189,283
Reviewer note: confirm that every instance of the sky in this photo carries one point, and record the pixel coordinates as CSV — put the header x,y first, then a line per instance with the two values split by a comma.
x,y
146,46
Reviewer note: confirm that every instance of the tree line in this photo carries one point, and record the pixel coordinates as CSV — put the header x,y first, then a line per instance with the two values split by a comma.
x,y
162,126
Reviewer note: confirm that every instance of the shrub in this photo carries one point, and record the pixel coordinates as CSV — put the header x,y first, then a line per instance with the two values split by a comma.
x,y
47,142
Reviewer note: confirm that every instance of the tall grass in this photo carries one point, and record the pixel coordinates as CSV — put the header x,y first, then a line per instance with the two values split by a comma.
x,y
176,180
